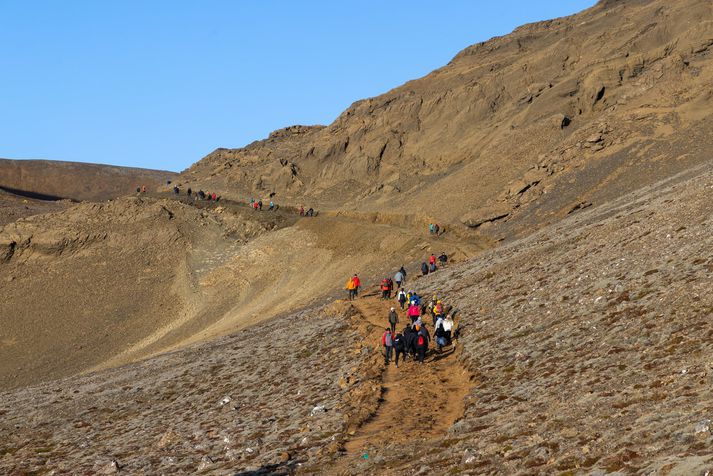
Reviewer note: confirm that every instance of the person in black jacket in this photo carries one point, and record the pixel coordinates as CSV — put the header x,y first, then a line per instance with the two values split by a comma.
x,y
421,340
424,268
399,347
409,342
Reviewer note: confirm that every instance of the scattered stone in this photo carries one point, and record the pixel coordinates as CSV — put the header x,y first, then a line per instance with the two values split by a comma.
x,y
205,462
469,456
703,428
318,409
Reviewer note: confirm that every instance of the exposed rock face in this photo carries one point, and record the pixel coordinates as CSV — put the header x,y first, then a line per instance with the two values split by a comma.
x,y
625,85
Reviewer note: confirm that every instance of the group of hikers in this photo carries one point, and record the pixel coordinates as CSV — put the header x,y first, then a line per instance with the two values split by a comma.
x,y
308,213
414,340
199,195
257,205
430,266
435,229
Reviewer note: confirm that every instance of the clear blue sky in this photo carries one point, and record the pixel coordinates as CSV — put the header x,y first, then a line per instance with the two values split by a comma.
x,y
161,83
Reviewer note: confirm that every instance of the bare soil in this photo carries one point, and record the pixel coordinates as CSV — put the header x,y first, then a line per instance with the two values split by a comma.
x,y
418,401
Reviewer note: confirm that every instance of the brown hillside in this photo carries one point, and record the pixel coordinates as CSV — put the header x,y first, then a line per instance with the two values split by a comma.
x,y
76,180
586,344
513,132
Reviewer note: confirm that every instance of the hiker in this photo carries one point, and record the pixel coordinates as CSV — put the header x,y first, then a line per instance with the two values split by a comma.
x,y
413,312
271,207
143,189
432,268
350,288
259,205
189,191
389,287
430,228
443,259
436,229
399,344
201,194
252,202
138,189
302,211
409,342
421,342
357,284
447,328
393,319
402,298
255,205
440,334
424,269
176,191
402,270
398,278
432,259
387,342
215,197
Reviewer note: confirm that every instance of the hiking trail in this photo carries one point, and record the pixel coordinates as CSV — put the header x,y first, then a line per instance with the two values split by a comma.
x,y
432,394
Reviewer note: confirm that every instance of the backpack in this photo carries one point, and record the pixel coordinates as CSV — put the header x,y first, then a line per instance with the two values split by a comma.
x,y
421,340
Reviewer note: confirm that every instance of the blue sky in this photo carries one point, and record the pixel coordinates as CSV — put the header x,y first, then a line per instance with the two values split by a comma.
x,y
161,83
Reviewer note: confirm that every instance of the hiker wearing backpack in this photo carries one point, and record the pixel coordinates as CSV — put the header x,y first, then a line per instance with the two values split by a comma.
x,y
424,269
387,342
409,342
413,312
398,278
350,288
402,270
448,328
443,259
393,319
357,285
385,289
421,342
432,268
440,334
399,347
402,298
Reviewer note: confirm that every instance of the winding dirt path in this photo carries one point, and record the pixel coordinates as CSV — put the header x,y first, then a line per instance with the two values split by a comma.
x,y
432,394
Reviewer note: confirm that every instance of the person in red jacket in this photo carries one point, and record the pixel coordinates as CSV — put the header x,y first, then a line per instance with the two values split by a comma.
x,y
432,259
357,285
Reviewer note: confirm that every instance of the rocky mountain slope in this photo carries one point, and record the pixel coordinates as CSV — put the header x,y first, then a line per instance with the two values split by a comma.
x,y
568,164
587,344
513,133
49,179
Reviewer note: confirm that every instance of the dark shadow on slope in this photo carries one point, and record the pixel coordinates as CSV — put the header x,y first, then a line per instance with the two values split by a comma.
x,y
33,195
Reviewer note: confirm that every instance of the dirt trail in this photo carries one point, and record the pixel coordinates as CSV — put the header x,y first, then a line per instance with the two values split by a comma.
x,y
431,394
